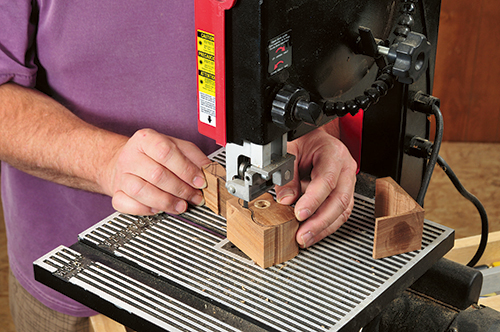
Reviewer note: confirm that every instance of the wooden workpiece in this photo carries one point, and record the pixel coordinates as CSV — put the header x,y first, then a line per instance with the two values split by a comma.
x,y
265,231
399,220
215,193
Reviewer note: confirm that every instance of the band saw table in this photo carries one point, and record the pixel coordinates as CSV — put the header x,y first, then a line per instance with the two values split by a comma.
x,y
179,273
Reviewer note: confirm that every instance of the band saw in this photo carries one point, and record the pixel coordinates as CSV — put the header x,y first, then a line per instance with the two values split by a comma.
x,y
269,72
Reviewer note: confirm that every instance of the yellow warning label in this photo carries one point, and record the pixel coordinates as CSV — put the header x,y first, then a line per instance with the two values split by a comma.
x,y
206,77
206,62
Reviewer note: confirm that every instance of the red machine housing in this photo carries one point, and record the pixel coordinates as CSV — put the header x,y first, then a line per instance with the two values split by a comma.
x,y
210,47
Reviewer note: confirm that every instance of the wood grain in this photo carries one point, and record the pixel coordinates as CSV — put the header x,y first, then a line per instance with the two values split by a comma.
x,y
477,165
467,70
265,231
399,220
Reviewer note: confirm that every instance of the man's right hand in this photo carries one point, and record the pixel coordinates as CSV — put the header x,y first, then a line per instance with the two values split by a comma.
x,y
152,172
144,174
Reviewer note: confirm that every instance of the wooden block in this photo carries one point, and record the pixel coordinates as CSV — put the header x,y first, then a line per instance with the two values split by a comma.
x,y
265,231
213,172
101,323
215,193
399,220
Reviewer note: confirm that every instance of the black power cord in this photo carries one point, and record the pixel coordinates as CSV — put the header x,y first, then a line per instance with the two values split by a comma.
x,y
423,148
470,197
434,154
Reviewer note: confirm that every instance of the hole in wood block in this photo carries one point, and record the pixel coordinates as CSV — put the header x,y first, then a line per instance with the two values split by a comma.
x,y
262,204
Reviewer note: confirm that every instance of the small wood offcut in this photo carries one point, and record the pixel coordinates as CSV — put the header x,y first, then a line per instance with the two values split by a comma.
x,y
399,220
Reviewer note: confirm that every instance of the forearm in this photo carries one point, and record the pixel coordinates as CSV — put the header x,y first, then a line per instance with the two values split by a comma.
x,y
41,137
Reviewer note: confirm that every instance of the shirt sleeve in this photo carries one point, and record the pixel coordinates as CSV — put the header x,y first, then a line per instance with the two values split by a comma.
x,y
17,47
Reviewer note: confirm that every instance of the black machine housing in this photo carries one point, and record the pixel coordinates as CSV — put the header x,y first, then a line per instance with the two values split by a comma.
x,y
314,45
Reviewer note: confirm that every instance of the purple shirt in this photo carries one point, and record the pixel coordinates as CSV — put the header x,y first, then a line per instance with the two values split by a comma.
x,y
119,65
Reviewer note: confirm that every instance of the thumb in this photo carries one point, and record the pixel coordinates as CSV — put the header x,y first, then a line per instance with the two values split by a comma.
x,y
290,192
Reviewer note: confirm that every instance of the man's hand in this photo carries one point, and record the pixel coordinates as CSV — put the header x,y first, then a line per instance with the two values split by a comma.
x,y
325,173
153,172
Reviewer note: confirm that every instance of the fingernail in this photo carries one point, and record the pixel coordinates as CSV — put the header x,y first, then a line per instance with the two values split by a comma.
x,y
307,239
180,207
303,214
199,182
155,211
198,200
284,194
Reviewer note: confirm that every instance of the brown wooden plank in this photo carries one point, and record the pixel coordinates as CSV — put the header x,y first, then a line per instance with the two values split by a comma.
x,y
477,165
454,63
467,68
465,249
491,301
484,121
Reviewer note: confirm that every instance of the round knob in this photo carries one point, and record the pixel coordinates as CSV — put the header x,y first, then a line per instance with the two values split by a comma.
x,y
292,106
410,57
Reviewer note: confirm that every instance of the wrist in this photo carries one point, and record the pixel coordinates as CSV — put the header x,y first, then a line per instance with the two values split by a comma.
x,y
106,171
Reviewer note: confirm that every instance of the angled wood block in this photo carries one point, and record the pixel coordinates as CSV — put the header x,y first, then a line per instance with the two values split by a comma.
x,y
399,220
265,231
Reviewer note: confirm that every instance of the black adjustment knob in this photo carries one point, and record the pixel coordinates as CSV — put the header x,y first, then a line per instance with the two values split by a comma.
x,y
292,105
410,57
